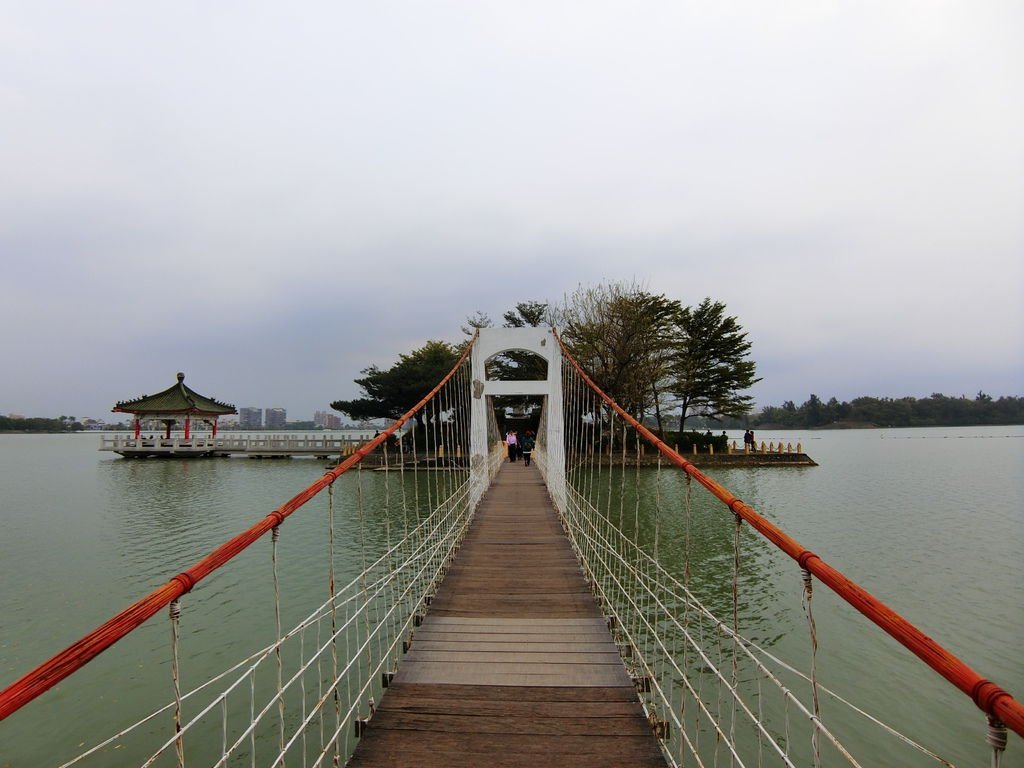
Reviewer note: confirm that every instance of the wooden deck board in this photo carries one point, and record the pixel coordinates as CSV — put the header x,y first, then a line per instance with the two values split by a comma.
x,y
514,664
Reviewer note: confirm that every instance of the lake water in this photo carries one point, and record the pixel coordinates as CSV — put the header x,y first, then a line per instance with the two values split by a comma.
x,y
929,520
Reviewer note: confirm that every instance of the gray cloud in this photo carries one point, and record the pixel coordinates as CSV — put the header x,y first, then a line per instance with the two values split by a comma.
x,y
273,198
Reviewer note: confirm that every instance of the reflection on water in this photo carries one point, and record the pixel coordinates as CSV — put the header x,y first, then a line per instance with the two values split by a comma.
x,y
928,525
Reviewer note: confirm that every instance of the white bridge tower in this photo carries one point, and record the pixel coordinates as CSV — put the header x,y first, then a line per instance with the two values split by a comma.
x,y
541,342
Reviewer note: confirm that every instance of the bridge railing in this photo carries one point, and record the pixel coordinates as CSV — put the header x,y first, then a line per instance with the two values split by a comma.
x,y
711,693
304,697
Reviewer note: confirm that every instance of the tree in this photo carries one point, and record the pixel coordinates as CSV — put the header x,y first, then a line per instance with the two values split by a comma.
x,y
622,336
528,313
475,322
389,394
711,367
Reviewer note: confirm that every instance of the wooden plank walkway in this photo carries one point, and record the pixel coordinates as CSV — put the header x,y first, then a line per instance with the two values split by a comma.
x,y
514,664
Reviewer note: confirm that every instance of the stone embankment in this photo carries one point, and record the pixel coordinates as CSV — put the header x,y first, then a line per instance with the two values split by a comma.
x,y
763,455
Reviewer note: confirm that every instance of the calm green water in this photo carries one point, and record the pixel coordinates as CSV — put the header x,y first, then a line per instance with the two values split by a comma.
x,y
930,521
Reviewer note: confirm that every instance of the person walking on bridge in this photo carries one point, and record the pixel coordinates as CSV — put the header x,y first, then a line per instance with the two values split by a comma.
x,y
512,443
526,447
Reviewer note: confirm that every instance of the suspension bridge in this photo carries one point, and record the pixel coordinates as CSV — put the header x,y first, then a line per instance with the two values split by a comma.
x,y
514,616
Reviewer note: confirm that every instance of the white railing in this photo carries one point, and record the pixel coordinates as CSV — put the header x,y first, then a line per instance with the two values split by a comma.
x,y
711,694
306,698
229,444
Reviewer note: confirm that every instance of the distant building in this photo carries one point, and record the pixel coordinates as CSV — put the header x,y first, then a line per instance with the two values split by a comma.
x,y
276,418
250,418
326,420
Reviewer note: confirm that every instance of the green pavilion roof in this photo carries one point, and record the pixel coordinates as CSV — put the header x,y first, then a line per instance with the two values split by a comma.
x,y
177,399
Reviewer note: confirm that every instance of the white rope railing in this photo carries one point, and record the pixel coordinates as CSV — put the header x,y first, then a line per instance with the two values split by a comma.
x,y
712,696
305,698
388,593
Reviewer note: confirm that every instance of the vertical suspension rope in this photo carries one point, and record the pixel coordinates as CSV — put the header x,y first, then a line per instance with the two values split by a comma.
x,y
580,408
336,694
580,481
760,719
808,593
302,687
275,535
451,452
444,446
607,574
657,508
224,730
408,546
365,605
390,575
433,492
622,480
996,738
454,444
596,451
687,525
417,481
179,746
351,628
572,414
577,474
636,495
252,716
438,450
735,627
629,575
647,596
426,453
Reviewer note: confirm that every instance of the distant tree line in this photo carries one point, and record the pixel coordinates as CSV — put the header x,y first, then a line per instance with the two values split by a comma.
x,y
62,424
935,411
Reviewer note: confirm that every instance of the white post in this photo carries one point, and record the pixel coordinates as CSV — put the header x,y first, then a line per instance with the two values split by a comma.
x,y
479,450
555,437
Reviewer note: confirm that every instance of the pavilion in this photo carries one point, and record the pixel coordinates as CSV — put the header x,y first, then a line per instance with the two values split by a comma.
x,y
171,405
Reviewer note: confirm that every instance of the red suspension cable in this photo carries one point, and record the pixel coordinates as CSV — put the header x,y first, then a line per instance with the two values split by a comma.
x,y
76,656
988,696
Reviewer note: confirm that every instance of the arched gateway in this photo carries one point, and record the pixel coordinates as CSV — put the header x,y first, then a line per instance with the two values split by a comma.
x,y
541,342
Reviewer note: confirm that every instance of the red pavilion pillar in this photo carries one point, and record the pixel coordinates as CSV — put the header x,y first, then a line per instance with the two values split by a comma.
x,y
188,426
138,427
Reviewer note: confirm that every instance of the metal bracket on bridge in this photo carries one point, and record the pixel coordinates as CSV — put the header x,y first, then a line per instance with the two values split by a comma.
x,y
658,727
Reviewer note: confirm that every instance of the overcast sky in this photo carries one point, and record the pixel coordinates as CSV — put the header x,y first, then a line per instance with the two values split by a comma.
x,y
270,196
